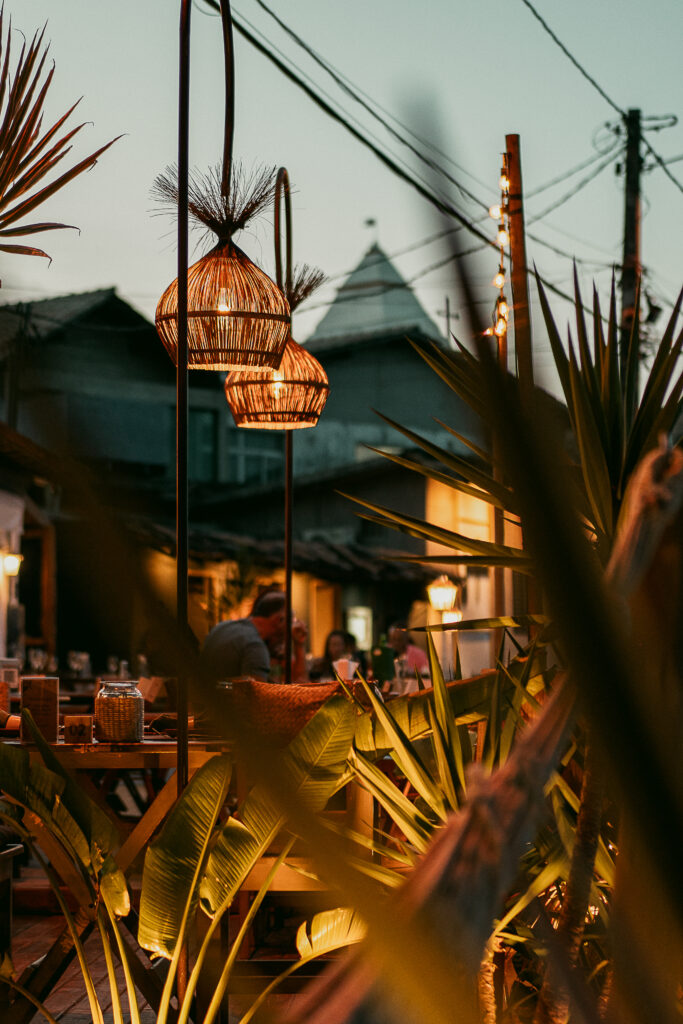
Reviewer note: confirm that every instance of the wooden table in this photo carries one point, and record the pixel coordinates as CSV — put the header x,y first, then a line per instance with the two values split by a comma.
x,y
80,761
152,755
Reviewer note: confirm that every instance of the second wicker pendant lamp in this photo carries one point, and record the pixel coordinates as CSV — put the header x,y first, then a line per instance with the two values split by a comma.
x,y
292,396
285,399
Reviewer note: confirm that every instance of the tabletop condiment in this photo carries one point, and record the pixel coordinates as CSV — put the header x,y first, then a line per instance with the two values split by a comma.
x,y
119,712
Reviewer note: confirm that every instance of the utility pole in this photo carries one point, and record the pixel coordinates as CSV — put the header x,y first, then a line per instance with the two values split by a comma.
x,y
631,267
518,269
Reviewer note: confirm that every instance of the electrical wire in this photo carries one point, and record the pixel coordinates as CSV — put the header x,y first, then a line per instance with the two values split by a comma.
x,y
589,78
569,174
577,188
443,205
352,90
346,86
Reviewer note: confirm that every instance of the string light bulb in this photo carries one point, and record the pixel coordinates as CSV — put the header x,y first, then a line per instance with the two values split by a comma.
x,y
499,279
504,183
502,237
495,212
501,328
503,308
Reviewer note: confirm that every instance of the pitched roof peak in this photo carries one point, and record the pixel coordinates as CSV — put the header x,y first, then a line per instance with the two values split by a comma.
x,y
373,300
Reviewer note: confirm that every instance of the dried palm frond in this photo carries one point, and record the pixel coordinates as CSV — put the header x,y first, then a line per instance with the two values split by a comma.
x,y
27,153
209,207
305,281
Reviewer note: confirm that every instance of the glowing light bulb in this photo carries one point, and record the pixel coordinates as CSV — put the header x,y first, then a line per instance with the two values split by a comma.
x,y
277,385
504,183
503,309
12,564
488,332
500,328
222,306
499,279
502,237
495,212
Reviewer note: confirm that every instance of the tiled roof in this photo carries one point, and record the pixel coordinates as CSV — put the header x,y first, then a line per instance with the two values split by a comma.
x,y
374,300
50,315
336,562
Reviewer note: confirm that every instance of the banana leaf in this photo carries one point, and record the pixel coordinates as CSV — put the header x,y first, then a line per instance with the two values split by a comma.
x,y
42,791
313,763
329,930
99,830
175,860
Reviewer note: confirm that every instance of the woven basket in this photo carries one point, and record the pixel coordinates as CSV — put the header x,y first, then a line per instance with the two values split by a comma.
x,y
291,397
236,316
276,710
119,713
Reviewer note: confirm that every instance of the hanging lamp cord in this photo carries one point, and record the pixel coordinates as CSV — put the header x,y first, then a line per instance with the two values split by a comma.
x,y
228,51
282,191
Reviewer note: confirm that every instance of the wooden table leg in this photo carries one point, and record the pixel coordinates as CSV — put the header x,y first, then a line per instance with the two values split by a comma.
x,y
147,825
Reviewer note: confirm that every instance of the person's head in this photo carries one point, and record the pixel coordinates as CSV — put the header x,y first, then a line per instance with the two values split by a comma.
x,y
268,615
337,646
398,637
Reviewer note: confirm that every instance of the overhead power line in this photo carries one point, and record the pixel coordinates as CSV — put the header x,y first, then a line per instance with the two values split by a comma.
x,y
353,93
589,78
577,188
441,204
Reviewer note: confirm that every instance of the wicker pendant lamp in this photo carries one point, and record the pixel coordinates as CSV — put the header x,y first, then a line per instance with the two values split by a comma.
x,y
288,398
236,315
294,395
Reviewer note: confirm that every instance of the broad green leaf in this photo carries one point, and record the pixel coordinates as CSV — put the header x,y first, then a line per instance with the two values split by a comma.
x,y
92,821
175,860
328,931
42,791
312,764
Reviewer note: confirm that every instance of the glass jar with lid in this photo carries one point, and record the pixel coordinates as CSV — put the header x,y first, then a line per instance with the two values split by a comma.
x,y
119,712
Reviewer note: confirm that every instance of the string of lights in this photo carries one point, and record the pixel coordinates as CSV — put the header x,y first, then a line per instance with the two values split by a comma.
x,y
501,213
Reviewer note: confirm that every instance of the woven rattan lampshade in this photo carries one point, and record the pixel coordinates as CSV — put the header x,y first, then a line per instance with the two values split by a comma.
x,y
236,315
289,398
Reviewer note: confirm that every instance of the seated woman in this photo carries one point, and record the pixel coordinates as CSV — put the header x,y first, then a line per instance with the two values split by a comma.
x,y
339,644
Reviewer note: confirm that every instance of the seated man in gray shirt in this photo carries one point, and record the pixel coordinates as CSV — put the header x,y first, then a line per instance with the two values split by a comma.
x,y
242,647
